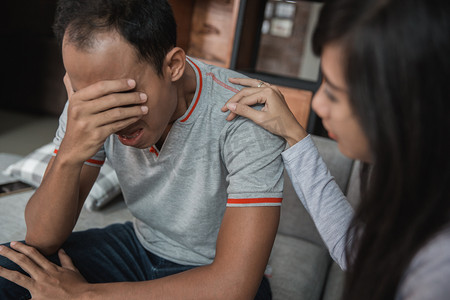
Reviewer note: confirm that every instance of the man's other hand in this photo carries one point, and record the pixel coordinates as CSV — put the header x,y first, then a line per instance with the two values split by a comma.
x,y
46,280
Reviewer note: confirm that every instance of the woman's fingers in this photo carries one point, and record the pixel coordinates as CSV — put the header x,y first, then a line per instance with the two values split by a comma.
x,y
245,111
247,96
275,116
250,82
240,104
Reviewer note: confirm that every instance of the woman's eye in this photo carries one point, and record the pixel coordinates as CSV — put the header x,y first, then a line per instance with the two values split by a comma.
x,y
329,94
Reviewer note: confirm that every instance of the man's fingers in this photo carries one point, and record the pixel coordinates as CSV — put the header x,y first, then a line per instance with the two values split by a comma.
x,y
106,87
68,85
17,277
66,261
21,260
118,100
33,254
120,113
119,125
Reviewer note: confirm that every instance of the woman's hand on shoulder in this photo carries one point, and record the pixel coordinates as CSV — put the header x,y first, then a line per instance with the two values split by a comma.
x,y
275,116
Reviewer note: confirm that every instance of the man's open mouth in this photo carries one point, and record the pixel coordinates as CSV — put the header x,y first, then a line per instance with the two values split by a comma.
x,y
131,136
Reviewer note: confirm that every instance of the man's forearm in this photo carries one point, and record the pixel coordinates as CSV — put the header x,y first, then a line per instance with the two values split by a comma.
x,y
52,211
243,248
204,282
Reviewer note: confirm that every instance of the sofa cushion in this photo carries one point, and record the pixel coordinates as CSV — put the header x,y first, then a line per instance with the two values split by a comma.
x,y
353,188
335,283
295,220
31,170
13,227
298,269
7,159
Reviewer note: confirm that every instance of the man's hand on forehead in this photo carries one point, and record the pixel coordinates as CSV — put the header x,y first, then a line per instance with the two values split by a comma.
x,y
102,87
98,110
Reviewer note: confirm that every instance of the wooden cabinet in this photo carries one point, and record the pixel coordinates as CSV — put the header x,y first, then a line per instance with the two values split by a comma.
x,y
206,29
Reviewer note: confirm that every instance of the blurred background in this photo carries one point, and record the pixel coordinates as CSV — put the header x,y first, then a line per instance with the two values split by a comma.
x,y
264,39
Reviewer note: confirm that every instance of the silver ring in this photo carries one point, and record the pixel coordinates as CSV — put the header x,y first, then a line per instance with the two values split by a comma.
x,y
261,83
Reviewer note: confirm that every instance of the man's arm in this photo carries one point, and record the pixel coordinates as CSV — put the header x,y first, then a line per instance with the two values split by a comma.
x,y
53,210
243,247
93,113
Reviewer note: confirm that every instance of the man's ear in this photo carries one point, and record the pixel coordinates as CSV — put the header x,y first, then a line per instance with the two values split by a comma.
x,y
175,63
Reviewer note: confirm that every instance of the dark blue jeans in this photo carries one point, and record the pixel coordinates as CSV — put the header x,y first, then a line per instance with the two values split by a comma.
x,y
111,254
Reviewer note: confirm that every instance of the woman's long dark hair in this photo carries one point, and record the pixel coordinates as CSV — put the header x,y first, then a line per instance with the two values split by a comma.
x,y
397,67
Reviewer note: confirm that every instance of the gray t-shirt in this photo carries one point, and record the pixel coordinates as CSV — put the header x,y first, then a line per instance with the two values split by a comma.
x,y
178,194
428,275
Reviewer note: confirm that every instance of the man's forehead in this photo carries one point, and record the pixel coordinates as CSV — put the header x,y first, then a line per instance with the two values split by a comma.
x,y
101,40
85,68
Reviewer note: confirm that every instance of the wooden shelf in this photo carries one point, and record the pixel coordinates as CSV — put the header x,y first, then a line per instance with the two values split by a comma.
x,y
299,102
206,29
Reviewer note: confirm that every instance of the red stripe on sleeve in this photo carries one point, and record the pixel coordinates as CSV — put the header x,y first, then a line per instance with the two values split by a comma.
x,y
254,200
96,162
92,161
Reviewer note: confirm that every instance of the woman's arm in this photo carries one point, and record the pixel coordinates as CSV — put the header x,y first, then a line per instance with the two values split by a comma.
x,y
312,181
321,196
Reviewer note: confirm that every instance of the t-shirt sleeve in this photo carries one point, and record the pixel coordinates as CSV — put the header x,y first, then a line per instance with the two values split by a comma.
x,y
252,156
97,160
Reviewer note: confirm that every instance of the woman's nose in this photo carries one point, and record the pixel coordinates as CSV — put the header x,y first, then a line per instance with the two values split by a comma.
x,y
319,103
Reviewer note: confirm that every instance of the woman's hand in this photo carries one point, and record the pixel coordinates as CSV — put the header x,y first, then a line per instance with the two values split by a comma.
x,y
275,116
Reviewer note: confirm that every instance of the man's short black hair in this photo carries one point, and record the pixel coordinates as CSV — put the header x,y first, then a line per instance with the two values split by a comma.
x,y
148,25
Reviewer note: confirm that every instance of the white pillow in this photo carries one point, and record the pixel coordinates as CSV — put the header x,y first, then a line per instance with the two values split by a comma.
x,y
31,169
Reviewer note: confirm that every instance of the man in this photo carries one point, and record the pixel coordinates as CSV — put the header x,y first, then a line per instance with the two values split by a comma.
x,y
205,192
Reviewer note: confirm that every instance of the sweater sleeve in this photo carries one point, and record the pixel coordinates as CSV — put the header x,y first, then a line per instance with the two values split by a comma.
x,y
321,196
427,276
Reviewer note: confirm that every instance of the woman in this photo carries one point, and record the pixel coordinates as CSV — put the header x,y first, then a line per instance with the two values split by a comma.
x,y
385,100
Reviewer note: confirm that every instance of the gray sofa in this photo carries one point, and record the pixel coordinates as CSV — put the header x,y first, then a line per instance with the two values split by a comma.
x,y
299,267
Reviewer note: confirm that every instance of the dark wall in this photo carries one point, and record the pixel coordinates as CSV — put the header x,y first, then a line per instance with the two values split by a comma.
x,y
31,64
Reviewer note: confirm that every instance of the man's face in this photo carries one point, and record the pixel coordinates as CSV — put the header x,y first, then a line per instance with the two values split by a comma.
x,y
110,58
